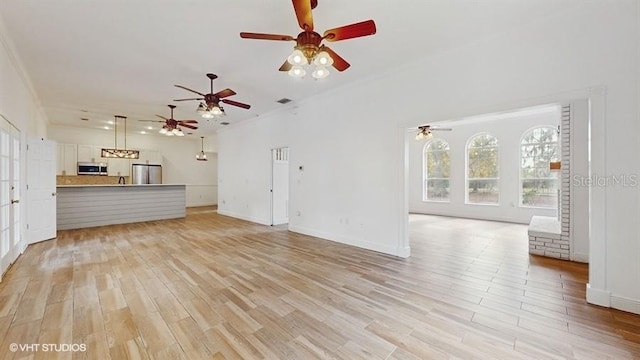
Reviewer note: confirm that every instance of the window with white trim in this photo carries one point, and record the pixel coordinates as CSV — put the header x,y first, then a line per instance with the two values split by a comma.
x,y
538,186
482,170
436,171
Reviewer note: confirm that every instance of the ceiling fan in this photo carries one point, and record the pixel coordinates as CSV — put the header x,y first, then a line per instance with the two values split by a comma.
x,y
308,49
172,126
424,131
211,106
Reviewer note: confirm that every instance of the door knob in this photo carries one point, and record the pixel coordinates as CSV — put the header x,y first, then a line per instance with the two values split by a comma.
x,y
53,194
15,201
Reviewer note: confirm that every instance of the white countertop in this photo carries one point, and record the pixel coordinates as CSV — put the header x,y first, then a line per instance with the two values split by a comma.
x,y
116,185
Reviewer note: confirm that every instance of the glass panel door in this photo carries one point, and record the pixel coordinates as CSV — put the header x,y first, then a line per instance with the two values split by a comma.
x,y
10,239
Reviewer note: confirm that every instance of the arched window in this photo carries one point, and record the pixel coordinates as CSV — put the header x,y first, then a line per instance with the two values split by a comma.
x,y
482,170
436,171
538,186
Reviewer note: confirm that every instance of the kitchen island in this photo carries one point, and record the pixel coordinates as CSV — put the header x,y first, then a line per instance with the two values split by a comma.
x,y
81,206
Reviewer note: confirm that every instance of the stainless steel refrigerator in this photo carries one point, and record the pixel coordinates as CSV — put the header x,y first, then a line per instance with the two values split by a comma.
x,y
146,174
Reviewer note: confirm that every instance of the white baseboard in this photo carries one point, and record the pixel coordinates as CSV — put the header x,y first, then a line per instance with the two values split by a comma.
x,y
404,252
351,241
244,217
625,304
583,258
598,297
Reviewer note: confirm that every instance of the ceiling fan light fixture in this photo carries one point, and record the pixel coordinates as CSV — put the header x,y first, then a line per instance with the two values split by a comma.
x,y
297,58
323,59
201,108
163,130
297,71
207,115
216,111
424,133
320,72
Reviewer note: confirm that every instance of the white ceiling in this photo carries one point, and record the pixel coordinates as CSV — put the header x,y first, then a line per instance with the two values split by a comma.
x,y
97,58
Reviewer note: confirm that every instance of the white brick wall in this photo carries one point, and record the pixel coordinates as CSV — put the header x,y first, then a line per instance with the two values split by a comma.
x,y
558,245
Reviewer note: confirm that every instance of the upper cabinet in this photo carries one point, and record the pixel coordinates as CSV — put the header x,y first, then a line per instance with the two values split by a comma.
x,y
152,157
69,155
67,159
90,153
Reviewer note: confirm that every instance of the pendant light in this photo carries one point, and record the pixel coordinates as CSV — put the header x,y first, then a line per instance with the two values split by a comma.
x,y
120,153
201,156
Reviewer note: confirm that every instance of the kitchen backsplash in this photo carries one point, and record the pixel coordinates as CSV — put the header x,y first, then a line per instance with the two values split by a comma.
x,y
89,180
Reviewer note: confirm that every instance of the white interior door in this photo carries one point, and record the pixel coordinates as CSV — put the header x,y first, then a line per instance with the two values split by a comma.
x,y
10,236
280,186
41,190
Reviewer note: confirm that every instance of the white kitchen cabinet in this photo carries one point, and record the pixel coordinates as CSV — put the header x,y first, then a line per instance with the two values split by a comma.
x,y
67,159
119,167
149,157
90,153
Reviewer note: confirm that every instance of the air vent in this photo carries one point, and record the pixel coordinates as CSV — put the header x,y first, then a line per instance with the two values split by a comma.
x,y
224,123
284,101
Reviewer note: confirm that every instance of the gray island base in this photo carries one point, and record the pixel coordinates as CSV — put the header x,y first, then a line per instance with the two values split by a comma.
x,y
82,206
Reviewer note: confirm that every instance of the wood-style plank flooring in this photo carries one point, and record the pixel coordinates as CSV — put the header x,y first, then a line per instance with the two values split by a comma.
x,y
213,287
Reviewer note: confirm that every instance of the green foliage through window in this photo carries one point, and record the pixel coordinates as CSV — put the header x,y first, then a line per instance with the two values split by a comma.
x,y
436,170
539,186
482,170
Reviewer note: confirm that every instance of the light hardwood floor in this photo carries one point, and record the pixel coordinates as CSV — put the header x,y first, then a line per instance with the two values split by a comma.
x,y
214,287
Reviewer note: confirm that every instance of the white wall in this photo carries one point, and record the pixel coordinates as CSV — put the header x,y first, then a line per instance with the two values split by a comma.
x,y
178,153
20,105
351,142
245,172
509,131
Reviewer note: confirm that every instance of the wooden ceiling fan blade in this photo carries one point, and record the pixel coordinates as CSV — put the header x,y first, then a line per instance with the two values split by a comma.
x,y
224,93
363,28
259,36
189,126
338,62
286,66
152,120
235,103
303,13
440,129
188,121
186,88
188,99
162,117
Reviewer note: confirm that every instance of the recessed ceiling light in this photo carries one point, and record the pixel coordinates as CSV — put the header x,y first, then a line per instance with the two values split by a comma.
x,y
106,128
143,132
110,122
149,127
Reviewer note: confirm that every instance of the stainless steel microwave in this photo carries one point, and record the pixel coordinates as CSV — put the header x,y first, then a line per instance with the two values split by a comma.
x,y
85,168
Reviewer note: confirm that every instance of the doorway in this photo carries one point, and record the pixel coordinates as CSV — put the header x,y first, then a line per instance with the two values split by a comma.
x,y
10,236
279,186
